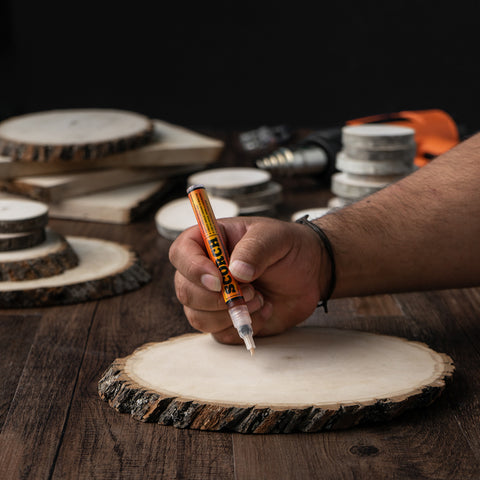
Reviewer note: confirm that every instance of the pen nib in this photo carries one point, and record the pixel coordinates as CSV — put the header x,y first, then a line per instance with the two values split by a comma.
x,y
252,351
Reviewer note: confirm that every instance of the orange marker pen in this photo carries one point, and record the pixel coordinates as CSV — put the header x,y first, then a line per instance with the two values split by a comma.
x,y
217,252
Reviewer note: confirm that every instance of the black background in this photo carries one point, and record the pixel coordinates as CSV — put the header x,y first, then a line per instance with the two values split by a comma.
x,y
242,64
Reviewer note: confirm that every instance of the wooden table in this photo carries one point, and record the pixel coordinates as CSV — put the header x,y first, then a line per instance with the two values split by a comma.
x,y
54,425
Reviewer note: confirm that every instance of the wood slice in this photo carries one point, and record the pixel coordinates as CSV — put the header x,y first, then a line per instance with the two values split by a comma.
x,y
378,136
104,269
369,167
119,206
176,216
73,135
171,146
19,241
51,257
269,195
17,215
350,186
392,153
308,379
228,182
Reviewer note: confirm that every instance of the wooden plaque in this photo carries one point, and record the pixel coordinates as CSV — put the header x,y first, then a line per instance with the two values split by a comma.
x,y
308,379
50,258
76,134
104,269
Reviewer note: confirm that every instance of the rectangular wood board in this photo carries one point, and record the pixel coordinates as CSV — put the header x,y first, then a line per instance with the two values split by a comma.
x,y
119,206
58,187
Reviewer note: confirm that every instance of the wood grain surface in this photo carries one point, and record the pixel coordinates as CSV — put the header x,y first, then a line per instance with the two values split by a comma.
x,y
54,426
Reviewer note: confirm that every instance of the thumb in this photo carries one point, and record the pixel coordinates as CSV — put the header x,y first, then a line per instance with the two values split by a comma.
x,y
263,244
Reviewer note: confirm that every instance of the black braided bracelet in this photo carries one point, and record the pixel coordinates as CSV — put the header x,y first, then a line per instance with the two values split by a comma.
x,y
328,247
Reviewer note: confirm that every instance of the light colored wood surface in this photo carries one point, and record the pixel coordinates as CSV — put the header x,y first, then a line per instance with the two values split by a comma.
x,y
171,146
307,379
120,206
228,182
104,269
177,215
71,135
55,188
19,215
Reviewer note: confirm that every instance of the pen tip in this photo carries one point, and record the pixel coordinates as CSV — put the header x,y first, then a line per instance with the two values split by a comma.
x,y
252,351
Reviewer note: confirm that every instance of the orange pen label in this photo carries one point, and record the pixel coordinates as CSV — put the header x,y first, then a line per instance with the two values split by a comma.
x,y
213,241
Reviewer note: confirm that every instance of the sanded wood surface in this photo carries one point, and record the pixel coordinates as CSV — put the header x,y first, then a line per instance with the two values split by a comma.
x,y
101,269
73,135
54,426
170,146
22,215
307,379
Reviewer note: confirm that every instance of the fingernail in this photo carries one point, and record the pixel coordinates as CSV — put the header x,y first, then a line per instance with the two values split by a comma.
x,y
242,270
211,282
248,292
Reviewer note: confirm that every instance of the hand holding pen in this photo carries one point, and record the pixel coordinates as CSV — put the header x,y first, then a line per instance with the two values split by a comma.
x,y
218,253
279,267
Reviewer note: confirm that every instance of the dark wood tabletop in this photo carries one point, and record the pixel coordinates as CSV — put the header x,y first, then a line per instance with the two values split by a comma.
x,y
54,425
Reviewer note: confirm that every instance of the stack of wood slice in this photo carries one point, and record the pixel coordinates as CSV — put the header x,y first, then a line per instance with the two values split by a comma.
x,y
372,157
41,267
252,189
77,159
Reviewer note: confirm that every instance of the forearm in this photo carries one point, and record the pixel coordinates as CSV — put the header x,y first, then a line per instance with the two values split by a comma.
x,y
420,233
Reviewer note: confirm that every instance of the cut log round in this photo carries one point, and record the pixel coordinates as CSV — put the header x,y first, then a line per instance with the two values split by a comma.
x,y
308,379
52,257
353,187
232,181
176,216
18,215
19,241
73,134
104,269
378,136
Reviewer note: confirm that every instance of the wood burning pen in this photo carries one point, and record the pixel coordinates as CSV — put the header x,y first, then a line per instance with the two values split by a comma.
x,y
217,252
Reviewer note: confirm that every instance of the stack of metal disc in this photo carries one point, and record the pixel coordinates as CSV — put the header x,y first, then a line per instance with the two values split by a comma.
x,y
372,157
251,189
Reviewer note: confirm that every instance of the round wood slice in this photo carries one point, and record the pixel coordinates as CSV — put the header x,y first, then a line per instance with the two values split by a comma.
x,y
51,257
18,215
104,269
78,134
350,186
19,241
392,153
176,216
228,182
378,136
308,379
270,195
369,167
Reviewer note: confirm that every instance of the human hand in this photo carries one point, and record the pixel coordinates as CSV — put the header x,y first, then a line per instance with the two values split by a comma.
x,y
282,268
